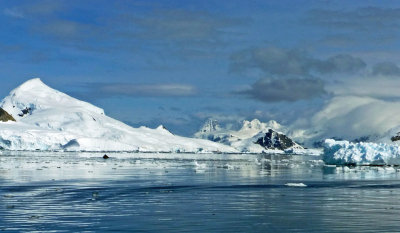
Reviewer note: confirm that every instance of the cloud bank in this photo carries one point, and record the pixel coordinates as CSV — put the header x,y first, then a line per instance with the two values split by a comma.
x,y
361,19
286,62
276,90
353,117
140,90
386,69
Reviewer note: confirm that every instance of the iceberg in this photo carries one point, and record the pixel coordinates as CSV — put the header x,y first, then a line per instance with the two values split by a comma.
x,y
362,153
47,119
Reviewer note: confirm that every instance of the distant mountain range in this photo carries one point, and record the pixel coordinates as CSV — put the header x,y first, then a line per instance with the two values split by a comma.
x,y
36,117
254,136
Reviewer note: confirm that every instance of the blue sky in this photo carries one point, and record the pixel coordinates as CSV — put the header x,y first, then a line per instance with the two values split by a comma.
x,y
179,63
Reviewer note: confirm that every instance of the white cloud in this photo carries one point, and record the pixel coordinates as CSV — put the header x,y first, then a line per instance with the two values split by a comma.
x,y
376,87
153,90
352,117
144,90
360,107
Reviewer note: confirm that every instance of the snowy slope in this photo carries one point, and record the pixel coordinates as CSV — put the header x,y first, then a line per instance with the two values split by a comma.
x,y
245,139
51,120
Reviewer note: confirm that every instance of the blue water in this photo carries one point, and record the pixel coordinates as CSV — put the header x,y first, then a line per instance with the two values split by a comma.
x,y
69,192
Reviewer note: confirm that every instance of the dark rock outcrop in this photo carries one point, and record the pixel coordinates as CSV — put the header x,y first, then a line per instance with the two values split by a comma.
x,y
25,111
275,140
210,126
4,116
395,138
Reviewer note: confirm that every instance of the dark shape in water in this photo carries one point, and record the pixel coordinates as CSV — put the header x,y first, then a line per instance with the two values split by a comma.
x,y
105,157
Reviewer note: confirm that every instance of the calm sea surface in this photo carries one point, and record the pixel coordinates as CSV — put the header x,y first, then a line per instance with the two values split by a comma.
x,y
76,192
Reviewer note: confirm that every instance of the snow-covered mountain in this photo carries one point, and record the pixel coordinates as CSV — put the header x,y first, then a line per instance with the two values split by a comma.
x,y
47,119
254,136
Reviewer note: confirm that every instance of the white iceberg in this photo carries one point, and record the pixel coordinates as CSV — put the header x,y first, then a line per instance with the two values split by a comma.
x,y
296,184
47,119
362,153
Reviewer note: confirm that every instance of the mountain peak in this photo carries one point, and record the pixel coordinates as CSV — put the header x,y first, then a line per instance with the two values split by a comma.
x,y
163,129
34,94
254,136
274,140
255,125
35,88
211,125
272,124
32,83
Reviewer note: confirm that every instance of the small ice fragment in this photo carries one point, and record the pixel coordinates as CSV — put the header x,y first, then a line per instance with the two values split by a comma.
x,y
199,166
296,185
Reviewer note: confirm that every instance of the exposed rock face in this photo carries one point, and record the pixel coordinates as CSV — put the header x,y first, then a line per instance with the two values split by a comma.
x,y
210,131
275,140
210,126
27,111
395,138
4,116
253,136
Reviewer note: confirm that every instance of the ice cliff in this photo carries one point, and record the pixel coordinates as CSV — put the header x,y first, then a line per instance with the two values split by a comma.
x,y
362,153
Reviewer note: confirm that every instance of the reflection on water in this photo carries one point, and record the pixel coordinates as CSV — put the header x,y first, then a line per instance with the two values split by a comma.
x,y
188,192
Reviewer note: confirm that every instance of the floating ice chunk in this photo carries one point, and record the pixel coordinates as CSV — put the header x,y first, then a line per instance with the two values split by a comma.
x,y
199,166
296,184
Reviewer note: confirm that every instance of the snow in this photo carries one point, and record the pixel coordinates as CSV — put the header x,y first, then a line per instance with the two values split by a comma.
x,y
56,121
350,117
38,96
243,139
363,153
210,126
254,127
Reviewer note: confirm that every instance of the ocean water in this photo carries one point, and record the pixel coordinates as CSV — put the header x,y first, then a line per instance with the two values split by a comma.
x,y
82,192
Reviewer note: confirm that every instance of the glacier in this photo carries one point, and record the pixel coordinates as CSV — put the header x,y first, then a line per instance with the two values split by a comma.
x,y
47,119
362,153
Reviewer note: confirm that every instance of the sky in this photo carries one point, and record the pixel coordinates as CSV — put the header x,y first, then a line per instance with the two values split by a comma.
x,y
328,66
